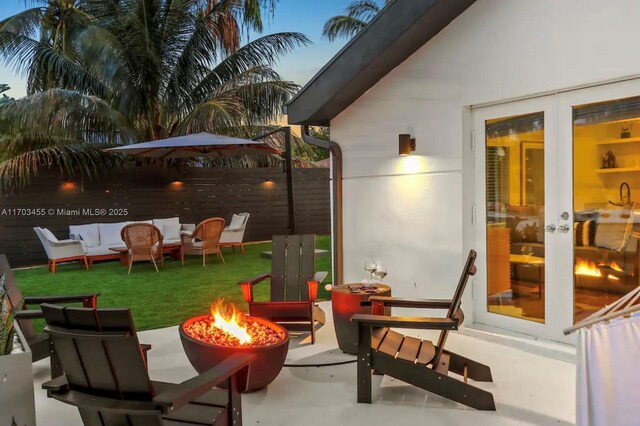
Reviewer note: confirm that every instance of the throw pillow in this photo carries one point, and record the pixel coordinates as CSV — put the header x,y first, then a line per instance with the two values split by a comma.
x,y
236,221
172,230
89,233
110,234
614,227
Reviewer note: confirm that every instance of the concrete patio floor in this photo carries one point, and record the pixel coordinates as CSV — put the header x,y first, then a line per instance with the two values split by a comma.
x,y
534,384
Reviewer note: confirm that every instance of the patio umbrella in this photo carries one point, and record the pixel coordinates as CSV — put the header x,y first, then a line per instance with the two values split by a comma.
x,y
196,145
210,145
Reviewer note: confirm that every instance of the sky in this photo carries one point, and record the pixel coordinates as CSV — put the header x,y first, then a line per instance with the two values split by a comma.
x,y
305,16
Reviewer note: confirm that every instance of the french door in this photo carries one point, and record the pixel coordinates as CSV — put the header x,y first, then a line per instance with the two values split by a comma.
x,y
516,204
557,227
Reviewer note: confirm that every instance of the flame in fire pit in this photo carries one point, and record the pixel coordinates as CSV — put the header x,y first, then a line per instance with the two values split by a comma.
x,y
230,320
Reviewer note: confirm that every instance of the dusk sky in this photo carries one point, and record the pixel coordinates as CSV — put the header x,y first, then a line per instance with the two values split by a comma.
x,y
305,16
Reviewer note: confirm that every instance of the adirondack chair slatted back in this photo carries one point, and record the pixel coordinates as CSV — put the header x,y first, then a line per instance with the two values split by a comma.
x,y
292,265
15,296
456,301
101,357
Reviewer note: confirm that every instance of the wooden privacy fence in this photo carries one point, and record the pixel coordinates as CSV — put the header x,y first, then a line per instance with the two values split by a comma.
x,y
199,193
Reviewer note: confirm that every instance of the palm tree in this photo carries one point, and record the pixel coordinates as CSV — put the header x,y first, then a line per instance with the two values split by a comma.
x,y
118,72
358,14
4,99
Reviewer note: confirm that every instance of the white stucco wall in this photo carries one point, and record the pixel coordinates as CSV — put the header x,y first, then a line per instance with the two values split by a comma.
x,y
408,212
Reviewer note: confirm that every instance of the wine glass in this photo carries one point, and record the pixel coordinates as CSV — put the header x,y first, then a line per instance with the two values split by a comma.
x,y
370,266
380,272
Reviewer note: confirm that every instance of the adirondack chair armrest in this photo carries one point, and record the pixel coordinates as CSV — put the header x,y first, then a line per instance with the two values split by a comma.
x,y
29,314
312,290
398,302
247,286
257,279
366,320
320,276
58,384
88,300
189,390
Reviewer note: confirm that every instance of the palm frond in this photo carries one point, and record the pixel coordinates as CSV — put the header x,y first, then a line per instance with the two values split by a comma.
x,y
342,26
358,14
69,115
363,10
23,154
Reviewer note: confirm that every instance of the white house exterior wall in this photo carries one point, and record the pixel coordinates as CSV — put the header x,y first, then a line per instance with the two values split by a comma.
x,y
411,213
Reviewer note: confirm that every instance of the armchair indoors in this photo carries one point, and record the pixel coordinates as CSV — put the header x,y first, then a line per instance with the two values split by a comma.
x,y
60,250
233,234
204,240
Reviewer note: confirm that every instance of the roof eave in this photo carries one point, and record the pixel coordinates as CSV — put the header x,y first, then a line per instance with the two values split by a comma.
x,y
399,30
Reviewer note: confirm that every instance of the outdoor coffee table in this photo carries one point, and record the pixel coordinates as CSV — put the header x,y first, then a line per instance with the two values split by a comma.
x,y
174,249
345,302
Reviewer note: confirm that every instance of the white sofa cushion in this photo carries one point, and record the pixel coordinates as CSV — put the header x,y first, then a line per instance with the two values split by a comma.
x,y
99,251
170,227
236,221
149,221
89,233
110,234
49,235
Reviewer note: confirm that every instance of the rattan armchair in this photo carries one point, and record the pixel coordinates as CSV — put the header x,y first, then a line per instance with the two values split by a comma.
x,y
204,240
144,242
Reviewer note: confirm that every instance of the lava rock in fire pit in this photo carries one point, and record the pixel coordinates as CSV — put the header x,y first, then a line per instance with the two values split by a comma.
x,y
207,345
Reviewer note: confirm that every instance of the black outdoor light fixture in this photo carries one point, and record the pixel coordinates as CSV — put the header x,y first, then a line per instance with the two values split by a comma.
x,y
406,144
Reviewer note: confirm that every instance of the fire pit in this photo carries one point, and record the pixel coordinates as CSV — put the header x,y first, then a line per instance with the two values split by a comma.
x,y
208,339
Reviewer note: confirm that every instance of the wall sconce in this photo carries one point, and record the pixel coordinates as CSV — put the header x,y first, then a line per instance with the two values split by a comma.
x,y
177,183
268,183
406,144
68,185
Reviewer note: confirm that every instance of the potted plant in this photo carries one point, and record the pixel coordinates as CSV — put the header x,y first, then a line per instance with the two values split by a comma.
x,y
16,376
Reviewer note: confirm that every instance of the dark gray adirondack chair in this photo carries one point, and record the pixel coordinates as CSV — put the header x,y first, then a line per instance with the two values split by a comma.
x,y
38,342
294,285
415,361
105,375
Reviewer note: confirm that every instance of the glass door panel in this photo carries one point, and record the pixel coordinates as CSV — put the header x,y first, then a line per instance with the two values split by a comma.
x,y
606,217
515,210
516,201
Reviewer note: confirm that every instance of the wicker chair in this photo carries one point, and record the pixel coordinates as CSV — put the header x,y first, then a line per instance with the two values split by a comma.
x,y
144,242
204,240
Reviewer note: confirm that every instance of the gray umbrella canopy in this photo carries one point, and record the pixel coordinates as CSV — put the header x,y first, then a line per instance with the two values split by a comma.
x,y
196,145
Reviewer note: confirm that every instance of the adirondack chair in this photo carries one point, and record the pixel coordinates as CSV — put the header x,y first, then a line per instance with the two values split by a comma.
x,y
106,375
415,361
294,285
38,342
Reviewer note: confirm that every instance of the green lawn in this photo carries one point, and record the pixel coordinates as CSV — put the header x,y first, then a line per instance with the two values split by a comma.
x,y
170,296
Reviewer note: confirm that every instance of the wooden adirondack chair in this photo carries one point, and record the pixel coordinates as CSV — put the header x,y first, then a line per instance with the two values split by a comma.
x,y
106,375
294,285
38,342
415,361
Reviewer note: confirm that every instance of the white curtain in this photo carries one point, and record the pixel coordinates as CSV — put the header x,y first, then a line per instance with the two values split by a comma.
x,y
608,375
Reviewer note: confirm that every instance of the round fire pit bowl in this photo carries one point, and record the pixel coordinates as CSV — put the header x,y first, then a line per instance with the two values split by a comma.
x,y
270,359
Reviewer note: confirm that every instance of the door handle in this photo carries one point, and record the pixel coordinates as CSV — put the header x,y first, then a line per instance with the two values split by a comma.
x,y
564,228
550,228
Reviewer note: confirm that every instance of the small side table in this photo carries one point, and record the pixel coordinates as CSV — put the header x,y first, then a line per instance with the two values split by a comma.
x,y
345,302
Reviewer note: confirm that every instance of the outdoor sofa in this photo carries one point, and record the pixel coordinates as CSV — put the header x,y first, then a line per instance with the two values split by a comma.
x,y
98,238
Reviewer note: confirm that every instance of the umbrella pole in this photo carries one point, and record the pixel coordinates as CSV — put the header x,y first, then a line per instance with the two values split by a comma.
x,y
288,166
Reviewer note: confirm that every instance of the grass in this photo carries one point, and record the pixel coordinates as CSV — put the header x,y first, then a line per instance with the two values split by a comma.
x,y
170,296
